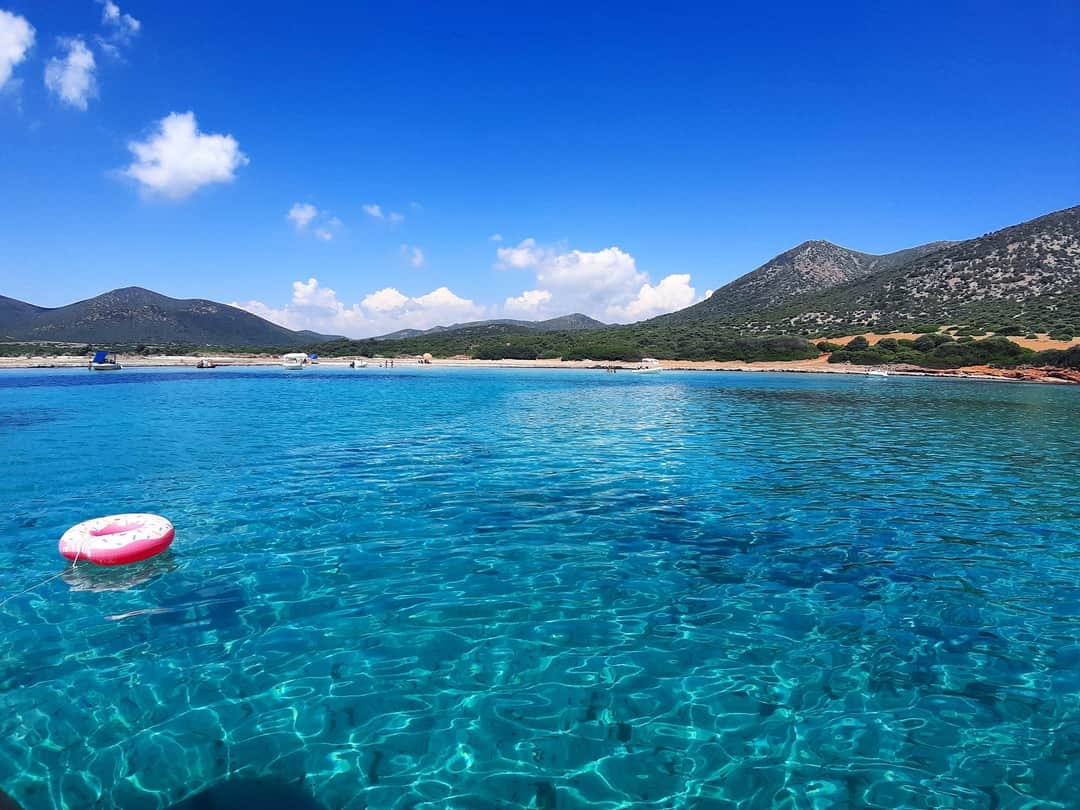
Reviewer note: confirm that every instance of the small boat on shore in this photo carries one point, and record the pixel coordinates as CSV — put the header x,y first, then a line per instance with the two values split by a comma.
x,y
104,361
358,364
294,361
649,365
877,371
206,363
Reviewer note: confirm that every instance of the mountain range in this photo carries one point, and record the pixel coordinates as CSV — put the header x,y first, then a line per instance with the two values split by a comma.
x,y
1026,276
565,323
807,268
136,315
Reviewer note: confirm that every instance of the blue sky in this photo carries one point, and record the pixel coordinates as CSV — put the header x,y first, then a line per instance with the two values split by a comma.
x,y
631,157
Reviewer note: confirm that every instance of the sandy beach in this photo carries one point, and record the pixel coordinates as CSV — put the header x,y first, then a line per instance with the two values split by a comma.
x,y
1038,344
818,365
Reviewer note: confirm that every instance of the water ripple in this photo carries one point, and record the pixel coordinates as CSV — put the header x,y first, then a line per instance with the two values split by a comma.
x,y
495,589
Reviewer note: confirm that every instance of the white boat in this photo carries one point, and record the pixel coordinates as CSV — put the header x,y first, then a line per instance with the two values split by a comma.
x,y
104,361
358,364
877,371
649,365
294,361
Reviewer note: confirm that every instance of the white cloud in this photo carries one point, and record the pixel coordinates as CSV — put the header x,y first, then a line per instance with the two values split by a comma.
x,y
16,39
672,293
310,294
413,255
304,214
123,25
177,159
107,47
330,227
443,299
375,211
525,255
71,77
301,214
495,237
529,303
605,284
387,310
385,300
120,29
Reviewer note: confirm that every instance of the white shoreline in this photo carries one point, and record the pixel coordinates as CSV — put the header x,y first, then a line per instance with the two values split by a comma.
x,y
814,366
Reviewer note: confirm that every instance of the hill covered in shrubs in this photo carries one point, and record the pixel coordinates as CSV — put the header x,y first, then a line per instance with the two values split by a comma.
x,y
939,350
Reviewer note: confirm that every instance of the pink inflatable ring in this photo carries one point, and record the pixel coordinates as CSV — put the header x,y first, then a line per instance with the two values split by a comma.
x,y
117,539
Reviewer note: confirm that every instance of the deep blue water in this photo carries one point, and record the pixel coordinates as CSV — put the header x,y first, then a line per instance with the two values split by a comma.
x,y
442,588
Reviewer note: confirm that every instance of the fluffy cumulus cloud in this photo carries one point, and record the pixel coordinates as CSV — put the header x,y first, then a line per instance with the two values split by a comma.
x,y
387,310
527,304
385,300
177,159
605,284
70,77
16,39
672,293
526,254
306,218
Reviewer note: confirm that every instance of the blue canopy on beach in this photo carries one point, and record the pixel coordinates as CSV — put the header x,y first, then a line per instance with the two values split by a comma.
x,y
99,357
313,357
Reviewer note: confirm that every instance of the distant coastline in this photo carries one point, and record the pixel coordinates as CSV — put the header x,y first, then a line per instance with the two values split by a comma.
x,y
814,366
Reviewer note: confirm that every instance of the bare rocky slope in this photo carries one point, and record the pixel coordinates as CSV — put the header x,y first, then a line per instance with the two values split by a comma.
x,y
808,268
1026,275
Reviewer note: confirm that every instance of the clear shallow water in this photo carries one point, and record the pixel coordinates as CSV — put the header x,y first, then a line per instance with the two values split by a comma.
x,y
483,589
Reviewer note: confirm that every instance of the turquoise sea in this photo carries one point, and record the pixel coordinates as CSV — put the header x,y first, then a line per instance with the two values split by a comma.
x,y
437,588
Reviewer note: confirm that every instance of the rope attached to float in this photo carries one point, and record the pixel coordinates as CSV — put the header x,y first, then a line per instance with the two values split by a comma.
x,y
87,535
74,565
32,587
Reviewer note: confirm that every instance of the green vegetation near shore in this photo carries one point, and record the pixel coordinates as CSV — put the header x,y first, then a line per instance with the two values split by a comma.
x,y
944,351
623,343
631,343
932,349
